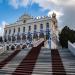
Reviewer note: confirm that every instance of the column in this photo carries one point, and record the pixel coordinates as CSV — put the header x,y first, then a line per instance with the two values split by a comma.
x,y
38,35
26,37
32,37
21,39
16,39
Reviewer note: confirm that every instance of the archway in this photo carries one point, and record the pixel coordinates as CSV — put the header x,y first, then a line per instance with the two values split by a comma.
x,y
35,36
18,38
23,37
29,37
9,38
12,47
7,47
47,34
41,35
18,47
13,38
24,46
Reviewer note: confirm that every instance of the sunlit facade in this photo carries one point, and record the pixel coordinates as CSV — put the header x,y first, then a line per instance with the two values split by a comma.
x,y
29,28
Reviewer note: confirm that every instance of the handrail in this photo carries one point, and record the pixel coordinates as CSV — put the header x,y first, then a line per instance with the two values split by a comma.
x,y
35,44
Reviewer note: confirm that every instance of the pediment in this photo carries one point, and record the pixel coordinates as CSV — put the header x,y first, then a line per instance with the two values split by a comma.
x,y
25,17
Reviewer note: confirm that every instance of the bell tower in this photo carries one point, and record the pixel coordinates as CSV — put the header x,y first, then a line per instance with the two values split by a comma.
x,y
54,28
54,22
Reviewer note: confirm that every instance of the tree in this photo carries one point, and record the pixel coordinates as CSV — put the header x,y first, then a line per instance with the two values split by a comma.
x,y
65,35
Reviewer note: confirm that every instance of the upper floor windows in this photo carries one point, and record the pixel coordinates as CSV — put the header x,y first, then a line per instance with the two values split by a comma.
x,y
23,29
47,25
35,27
41,26
5,31
29,28
19,29
9,31
14,30
24,21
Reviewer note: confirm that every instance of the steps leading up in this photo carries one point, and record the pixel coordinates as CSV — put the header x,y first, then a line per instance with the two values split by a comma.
x,y
57,64
14,63
68,61
9,58
38,61
28,63
43,65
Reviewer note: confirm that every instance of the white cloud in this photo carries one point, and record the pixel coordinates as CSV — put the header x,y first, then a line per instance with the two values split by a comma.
x,y
2,25
18,3
58,13
66,14
46,3
13,3
64,2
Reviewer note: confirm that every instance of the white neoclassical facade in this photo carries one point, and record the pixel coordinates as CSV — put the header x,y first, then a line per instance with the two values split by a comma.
x,y
28,28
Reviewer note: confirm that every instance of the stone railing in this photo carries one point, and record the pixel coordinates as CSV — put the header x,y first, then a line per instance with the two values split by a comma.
x,y
71,47
36,43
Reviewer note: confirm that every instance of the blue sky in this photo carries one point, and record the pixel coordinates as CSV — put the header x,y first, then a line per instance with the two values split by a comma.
x,y
10,13
11,10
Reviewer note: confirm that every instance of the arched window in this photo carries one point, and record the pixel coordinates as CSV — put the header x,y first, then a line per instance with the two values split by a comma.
x,y
47,25
24,21
9,38
29,28
9,31
23,37
14,30
12,47
41,35
7,47
47,31
5,31
13,38
29,36
35,35
19,29
18,38
35,27
41,26
47,35
23,29
5,39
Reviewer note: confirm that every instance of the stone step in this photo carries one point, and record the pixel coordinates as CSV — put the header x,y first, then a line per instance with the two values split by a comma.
x,y
68,61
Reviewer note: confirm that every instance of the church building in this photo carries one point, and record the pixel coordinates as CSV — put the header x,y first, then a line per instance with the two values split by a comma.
x,y
27,29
